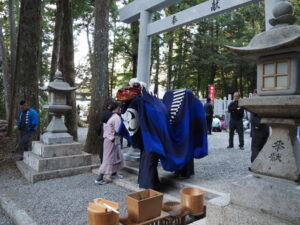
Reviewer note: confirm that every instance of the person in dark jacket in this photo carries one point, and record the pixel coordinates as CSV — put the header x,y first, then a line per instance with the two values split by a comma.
x,y
27,122
209,111
259,133
236,121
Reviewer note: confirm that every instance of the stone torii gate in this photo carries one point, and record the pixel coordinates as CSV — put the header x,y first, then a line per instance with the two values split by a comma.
x,y
142,10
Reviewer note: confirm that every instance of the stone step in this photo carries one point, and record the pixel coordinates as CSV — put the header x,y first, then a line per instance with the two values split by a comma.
x,y
63,162
222,211
33,176
179,184
48,151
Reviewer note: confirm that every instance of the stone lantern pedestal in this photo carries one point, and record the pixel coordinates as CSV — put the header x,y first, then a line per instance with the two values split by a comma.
x,y
56,155
271,195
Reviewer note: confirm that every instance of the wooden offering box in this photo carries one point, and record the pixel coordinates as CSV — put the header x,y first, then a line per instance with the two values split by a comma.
x,y
144,205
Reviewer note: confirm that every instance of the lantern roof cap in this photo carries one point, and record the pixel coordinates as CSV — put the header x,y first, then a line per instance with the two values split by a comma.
x,y
282,35
59,85
274,39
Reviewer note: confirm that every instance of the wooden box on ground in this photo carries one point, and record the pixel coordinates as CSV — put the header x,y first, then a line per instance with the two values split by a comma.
x,y
144,205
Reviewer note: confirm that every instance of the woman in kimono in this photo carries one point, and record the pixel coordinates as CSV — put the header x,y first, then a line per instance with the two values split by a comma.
x,y
113,160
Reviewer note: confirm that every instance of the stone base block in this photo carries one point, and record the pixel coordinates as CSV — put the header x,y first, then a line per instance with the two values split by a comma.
x,y
33,176
56,138
257,201
47,164
277,197
238,215
47,151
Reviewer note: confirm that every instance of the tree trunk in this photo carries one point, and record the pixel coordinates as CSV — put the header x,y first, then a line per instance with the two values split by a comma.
x,y
26,77
135,43
241,84
224,83
57,38
66,65
99,86
6,74
113,61
13,40
157,67
170,60
89,41
11,71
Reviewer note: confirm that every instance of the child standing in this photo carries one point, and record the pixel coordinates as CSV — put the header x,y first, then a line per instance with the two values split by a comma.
x,y
113,159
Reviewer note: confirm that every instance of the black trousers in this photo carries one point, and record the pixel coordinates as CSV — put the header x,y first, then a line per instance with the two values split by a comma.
x,y
209,120
25,138
148,175
238,126
187,170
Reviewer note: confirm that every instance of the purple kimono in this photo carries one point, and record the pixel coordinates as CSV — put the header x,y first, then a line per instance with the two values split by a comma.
x,y
112,156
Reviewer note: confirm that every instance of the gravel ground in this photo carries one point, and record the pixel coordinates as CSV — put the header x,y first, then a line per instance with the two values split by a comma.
x,y
4,219
64,201
222,166
58,201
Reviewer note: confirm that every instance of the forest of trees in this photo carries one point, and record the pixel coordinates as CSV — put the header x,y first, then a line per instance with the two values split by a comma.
x,y
37,38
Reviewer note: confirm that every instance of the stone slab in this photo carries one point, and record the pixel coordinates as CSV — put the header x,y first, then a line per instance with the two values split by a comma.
x,y
47,151
277,197
56,138
199,222
209,193
221,212
287,106
33,176
63,162
19,216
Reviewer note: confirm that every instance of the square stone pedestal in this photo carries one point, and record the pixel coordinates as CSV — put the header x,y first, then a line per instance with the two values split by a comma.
x,y
52,161
257,200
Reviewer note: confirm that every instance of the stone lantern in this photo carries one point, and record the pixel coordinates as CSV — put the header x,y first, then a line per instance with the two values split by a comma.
x,y
56,130
271,194
56,155
277,53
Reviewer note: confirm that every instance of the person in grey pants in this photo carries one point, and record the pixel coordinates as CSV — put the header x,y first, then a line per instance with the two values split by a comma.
x,y
236,121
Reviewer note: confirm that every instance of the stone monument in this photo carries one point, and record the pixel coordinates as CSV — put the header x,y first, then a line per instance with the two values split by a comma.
x,y
56,155
271,195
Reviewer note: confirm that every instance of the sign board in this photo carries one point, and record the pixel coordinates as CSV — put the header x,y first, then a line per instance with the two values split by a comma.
x,y
212,92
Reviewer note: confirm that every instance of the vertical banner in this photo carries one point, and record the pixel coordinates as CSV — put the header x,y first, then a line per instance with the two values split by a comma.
x,y
212,93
